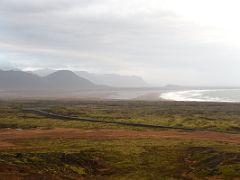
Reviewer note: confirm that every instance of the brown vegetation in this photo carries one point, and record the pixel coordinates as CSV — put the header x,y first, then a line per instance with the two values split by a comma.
x,y
108,134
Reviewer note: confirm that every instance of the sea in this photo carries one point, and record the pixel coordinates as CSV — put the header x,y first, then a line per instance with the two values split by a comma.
x,y
211,95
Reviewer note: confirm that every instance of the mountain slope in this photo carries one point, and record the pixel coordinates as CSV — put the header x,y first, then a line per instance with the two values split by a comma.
x,y
19,80
66,80
58,81
113,80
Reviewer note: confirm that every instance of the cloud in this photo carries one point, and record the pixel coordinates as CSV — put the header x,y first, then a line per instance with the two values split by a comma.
x,y
136,37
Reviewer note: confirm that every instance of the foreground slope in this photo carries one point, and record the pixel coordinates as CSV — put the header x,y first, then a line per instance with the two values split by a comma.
x,y
37,147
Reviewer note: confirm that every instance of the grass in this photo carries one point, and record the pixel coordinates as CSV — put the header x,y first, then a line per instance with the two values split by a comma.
x,y
121,158
143,159
210,116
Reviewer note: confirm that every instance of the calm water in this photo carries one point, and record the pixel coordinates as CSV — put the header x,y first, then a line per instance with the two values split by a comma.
x,y
218,95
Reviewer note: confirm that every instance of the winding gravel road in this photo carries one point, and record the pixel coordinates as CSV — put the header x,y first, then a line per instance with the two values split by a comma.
x,y
74,118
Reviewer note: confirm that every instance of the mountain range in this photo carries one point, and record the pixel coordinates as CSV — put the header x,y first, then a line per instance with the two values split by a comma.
x,y
58,81
113,80
62,81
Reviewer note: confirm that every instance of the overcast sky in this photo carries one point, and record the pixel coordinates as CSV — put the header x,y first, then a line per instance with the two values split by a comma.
x,y
187,42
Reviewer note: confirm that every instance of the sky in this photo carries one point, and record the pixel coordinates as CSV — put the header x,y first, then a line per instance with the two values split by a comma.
x,y
187,42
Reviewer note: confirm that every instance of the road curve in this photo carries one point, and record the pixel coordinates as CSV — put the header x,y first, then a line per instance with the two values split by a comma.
x,y
74,118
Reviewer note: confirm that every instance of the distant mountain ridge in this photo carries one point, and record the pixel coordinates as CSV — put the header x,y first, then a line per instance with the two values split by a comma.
x,y
19,80
68,80
57,81
113,80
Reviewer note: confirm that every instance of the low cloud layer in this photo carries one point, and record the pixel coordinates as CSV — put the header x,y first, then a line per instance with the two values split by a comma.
x,y
134,37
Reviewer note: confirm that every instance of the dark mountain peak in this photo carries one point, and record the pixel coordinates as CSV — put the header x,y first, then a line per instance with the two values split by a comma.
x,y
63,79
114,80
60,81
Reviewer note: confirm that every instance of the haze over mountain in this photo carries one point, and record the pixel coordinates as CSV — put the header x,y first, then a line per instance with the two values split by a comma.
x,y
19,80
113,80
42,72
67,80
165,42
58,81
16,84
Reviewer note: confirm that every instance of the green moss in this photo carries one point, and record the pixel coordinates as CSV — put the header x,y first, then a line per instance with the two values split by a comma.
x,y
230,170
127,158
122,158
210,116
78,170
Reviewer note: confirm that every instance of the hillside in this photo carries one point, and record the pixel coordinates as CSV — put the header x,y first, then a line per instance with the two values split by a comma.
x,y
67,80
19,80
57,81
113,80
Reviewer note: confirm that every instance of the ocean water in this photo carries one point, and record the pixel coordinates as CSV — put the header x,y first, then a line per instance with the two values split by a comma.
x,y
216,95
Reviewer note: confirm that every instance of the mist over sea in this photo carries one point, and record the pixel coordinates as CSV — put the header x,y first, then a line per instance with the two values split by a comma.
x,y
216,95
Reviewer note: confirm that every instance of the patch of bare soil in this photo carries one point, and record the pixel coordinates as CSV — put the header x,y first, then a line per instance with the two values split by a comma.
x,y
5,144
108,134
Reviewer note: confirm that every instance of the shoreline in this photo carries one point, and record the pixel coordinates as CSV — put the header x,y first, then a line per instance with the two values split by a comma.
x,y
203,95
129,95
